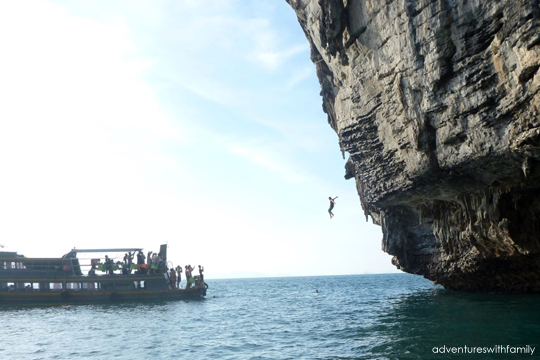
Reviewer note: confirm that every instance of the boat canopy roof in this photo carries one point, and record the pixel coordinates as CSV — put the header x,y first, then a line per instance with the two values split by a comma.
x,y
9,255
105,250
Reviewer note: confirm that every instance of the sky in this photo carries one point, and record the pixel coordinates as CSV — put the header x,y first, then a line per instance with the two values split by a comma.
x,y
138,123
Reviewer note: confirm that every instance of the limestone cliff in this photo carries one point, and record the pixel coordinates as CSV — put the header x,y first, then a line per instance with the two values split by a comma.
x,y
437,103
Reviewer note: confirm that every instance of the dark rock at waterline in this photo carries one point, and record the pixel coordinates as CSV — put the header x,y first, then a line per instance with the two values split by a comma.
x,y
437,103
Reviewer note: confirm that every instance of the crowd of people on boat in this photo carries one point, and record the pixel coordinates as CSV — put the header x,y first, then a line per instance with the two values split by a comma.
x,y
152,263
175,276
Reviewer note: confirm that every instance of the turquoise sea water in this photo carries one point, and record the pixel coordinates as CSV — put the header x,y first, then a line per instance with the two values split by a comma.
x,y
391,316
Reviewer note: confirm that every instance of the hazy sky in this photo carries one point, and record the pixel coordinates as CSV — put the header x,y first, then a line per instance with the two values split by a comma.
x,y
136,123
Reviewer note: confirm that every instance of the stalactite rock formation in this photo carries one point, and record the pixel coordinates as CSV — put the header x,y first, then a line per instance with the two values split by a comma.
x,y
437,104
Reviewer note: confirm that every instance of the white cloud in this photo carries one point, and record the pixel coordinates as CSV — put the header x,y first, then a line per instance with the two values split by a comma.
x,y
300,76
267,160
272,58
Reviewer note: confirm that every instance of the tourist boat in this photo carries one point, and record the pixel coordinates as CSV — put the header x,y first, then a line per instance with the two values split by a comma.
x,y
81,277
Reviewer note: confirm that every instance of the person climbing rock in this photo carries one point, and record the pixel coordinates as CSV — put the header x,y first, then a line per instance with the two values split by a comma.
x,y
332,202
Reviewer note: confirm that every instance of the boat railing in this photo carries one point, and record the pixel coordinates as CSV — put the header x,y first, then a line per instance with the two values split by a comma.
x,y
95,266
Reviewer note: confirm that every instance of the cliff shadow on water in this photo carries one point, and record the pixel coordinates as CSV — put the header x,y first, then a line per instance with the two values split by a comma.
x,y
422,325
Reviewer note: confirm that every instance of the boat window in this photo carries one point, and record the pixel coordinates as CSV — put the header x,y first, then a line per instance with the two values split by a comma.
x,y
28,287
90,286
55,286
73,286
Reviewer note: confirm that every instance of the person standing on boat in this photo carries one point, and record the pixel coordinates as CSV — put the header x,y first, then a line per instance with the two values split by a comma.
x,y
172,278
154,266
140,258
162,267
92,270
108,265
332,202
189,278
130,261
179,277
201,270
126,265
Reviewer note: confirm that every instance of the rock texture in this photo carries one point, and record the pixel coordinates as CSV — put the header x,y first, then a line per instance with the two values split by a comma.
x,y
437,103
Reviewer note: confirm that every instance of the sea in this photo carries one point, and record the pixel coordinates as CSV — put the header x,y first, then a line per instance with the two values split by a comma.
x,y
386,316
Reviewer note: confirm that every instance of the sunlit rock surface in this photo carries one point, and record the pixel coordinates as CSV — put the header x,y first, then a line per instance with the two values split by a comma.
x,y
437,104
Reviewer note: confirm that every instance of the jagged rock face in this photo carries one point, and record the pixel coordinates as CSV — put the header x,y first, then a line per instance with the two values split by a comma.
x,y
437,103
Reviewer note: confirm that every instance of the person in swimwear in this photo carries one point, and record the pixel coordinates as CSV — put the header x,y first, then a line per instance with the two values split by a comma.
x,y
332,202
